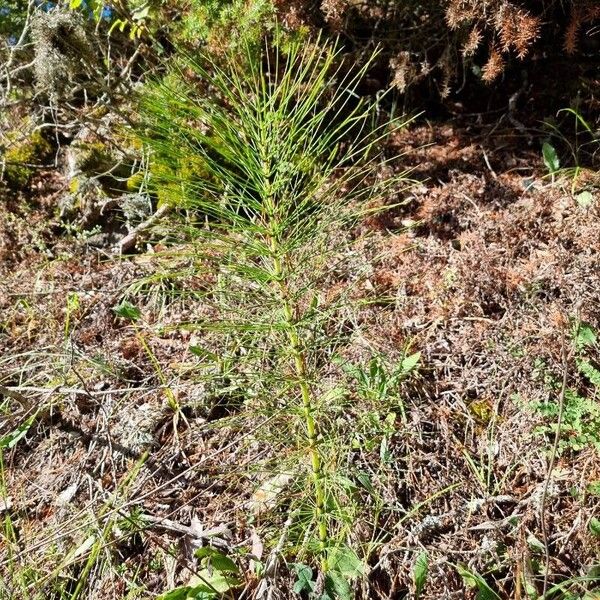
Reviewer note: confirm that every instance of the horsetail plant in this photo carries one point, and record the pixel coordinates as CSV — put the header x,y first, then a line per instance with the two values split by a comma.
x,y
267,157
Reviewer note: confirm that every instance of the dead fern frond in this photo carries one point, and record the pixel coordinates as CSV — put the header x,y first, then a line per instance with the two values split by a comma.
x,y
461,11
516,29
572,31
334,11
527,32
473,41
494,65
289,15
446,65
579,16
403,71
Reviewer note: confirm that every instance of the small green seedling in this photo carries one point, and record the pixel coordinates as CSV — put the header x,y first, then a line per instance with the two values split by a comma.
x,y
217,576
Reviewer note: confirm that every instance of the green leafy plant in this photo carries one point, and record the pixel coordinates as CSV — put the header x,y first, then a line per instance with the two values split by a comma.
x,y
376,387
128,16
551,160
226,23
420,572
11,439
580,138
128,312
576,588
378,381
344,567
586,137
474,580
217,576
283,155
305,583
580,427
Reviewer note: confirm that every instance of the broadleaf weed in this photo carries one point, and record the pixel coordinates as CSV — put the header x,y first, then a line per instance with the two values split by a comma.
x,y
580,426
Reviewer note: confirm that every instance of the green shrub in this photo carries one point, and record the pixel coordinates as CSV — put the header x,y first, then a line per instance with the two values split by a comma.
x,y
225,24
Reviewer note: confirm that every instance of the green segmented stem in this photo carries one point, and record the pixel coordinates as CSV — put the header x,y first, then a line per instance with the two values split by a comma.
x,y
312,430
270,214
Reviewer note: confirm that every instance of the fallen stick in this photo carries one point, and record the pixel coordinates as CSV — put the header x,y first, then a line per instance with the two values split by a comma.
x,y
130,240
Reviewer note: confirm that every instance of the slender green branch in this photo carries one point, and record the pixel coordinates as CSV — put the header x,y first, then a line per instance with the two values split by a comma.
x,y
308,402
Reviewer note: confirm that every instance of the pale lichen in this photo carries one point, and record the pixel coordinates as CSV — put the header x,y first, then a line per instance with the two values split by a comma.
x,y
61,48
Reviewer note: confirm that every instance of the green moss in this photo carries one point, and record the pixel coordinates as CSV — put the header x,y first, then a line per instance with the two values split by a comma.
x,y
173,184
23,153
134,182
97,159
74,185
93,158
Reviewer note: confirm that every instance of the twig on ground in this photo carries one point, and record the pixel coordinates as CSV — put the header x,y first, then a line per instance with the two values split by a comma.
x,y
131,239
215,534
14,391
489,166
14,394
270,573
